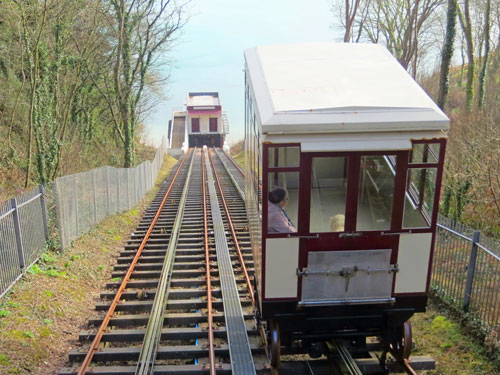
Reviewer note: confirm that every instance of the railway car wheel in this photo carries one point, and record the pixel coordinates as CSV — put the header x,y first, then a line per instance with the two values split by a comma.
x,y
274,346
401,344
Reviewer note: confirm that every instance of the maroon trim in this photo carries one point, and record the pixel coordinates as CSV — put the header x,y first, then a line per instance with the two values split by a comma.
x,y
200,108
271,145
289,299
423,165
410,294
283,169
435,140
264,217
439,179
352,195
399,194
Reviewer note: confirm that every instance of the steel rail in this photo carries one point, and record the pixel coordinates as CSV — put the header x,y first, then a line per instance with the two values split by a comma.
x,y
211,346
233,232
236,185
97,339
234,163
407,367
149,348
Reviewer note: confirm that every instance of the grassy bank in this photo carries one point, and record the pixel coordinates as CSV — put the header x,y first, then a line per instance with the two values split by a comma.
x,y
41,317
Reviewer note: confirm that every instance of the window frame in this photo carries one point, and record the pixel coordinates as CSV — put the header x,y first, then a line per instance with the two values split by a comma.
x,y
266,171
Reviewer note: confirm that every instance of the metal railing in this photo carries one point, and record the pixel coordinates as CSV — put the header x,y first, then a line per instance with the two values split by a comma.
x,y
84,199
466,272
79,201
23,233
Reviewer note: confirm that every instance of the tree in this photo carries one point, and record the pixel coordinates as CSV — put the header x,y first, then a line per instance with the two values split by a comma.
x,y
447,52
400,25
142,30
350,14
484,69
466,23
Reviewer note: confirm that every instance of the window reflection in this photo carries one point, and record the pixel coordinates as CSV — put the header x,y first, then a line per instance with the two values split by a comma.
x,y
419,201
328,194
284,157
425,153
376,193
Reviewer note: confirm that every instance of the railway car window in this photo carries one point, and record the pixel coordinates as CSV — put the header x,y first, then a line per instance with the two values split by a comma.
x,y
420,193
328,194
426,153
213,125
376,193
284,157
290,182
195,125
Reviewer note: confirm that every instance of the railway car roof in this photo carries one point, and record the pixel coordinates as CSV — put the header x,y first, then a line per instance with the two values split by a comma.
x,y
338,87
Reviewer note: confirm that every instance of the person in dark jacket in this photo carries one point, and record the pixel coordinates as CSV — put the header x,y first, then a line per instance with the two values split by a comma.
x,y
277,219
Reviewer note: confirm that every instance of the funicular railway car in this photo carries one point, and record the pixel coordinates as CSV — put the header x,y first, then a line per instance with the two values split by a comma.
x,y
345,151
204,119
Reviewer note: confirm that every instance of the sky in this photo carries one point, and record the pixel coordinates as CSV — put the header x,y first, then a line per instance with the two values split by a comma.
x,y
208,55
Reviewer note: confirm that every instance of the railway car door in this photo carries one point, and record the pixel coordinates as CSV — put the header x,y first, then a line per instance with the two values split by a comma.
x,y
349,200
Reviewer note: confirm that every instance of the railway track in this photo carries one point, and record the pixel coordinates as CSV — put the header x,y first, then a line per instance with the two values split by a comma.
x,y
181,298
155,316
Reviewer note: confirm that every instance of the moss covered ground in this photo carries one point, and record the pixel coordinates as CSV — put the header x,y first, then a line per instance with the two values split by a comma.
x,y
437,335
42,315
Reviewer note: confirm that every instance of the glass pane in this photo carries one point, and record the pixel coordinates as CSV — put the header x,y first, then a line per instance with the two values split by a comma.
x,y
425,153
284,157
328,194
283,202
420,193
376,193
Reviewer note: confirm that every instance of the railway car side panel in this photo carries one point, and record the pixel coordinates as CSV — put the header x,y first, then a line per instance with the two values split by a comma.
x,y
413,262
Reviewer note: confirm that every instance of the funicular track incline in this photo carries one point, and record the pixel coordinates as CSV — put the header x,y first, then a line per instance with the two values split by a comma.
x,y
166,314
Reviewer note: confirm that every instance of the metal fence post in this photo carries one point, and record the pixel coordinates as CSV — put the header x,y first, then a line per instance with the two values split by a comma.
x,y
59,213
471,271
75,189
17,230
44,211
94,195
128,188
117,174
107,193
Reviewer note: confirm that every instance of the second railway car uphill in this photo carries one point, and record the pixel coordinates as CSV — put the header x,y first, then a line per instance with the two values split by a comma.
x,y
359,147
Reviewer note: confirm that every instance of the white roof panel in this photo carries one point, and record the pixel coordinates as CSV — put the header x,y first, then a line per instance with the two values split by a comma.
x,y
203,99
337,87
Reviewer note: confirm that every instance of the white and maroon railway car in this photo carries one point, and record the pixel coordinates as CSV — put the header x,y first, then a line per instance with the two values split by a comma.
x,y
359,147
204,119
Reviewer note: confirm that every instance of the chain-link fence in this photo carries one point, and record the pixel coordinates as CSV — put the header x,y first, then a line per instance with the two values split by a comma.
x,y
23,233
466,273
84,199
79,201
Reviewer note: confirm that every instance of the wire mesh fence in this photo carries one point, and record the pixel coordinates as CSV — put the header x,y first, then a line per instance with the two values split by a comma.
x,y
466,272
66,209
23,233
84,199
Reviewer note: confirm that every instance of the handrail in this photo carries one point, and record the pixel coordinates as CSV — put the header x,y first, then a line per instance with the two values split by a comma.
x,y
490,252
